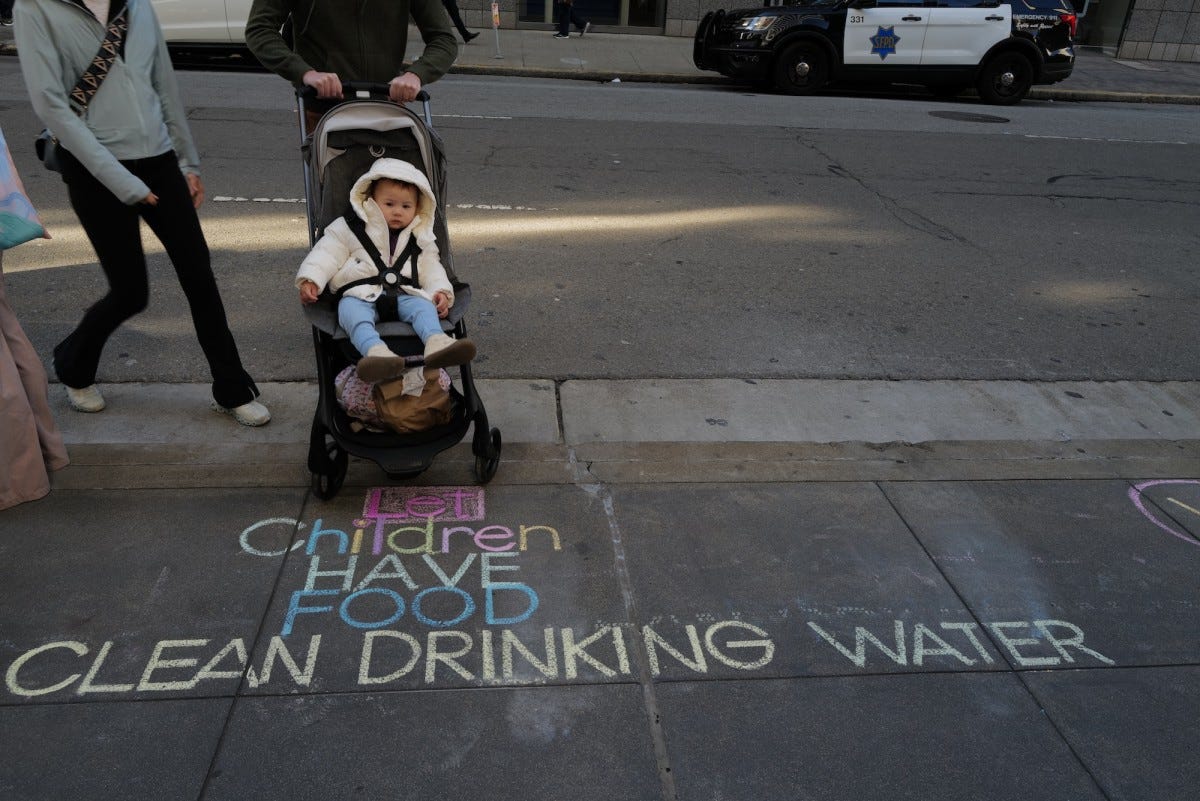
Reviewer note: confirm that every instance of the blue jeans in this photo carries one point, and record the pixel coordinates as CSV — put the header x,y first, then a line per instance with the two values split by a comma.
x,y
357,318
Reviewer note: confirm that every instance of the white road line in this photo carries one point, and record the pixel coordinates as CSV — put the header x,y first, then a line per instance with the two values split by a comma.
x,y
1102,139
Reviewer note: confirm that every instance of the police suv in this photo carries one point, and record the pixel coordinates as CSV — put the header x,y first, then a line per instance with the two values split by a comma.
x,y
1001,47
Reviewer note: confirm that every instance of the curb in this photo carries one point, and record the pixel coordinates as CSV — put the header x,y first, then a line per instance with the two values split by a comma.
x,y
676,431
597,76
1108,96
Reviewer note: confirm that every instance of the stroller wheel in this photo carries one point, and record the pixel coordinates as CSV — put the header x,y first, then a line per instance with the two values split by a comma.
x,y
486,464
325,485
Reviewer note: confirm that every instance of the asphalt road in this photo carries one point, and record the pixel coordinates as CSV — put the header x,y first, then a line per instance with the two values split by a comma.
x,y
614,230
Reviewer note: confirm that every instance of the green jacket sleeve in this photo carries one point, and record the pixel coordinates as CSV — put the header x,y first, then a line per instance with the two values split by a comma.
x,y
267,43
441,48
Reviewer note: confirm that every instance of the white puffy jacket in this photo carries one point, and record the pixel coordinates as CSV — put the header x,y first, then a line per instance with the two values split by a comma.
x,y
339,258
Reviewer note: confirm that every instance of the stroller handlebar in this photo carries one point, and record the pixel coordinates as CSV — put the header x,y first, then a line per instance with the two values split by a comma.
x,y
361,90
356,90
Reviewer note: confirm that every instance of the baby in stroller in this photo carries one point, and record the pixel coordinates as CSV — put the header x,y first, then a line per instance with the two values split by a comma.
x,y
382,262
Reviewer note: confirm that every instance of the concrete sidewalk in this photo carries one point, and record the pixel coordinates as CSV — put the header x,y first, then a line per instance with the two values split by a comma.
x,y
165,435
601,640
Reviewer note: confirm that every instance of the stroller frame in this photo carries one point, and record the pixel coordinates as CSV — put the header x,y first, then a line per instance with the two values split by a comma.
x,y
337,138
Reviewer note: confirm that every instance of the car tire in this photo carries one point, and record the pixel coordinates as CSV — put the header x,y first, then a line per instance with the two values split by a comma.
x,y
802,68
1005,79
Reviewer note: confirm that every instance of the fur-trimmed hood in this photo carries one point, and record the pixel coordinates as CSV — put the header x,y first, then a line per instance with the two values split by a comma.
x,y
339,258
364,206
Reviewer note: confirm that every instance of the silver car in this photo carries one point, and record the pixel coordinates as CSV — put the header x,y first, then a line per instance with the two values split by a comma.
x,y
211,22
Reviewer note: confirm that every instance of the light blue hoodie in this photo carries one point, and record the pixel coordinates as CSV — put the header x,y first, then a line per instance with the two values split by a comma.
x,y
137,113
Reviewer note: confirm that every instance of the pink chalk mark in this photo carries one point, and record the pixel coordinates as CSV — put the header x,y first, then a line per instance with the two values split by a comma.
x,y
1135,495
390,503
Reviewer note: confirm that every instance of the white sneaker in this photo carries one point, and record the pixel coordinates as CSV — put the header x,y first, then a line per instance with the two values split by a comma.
x,y
87,399
248,414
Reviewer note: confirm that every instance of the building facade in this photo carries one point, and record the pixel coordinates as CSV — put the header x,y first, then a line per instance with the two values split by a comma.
x,y
1161,30
1156,30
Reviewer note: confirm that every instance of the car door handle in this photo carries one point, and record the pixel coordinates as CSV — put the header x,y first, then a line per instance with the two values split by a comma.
x,y
910,19
994,18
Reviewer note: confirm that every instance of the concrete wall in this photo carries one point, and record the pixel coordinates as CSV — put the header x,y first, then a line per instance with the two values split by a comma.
x,y
683,15
1162,30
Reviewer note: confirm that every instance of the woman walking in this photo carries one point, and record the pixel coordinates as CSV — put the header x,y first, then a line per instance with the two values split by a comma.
x,y
126,155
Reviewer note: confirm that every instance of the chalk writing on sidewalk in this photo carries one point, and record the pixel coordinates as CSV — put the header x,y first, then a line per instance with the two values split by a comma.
x,y
497,657
1136,496
421,587
393,563
1054,643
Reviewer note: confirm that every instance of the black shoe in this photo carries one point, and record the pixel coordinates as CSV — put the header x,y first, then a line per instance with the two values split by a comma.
x,y
467,37
562,36
6,21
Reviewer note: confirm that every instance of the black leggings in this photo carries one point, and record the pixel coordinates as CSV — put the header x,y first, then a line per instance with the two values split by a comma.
x,y
113,229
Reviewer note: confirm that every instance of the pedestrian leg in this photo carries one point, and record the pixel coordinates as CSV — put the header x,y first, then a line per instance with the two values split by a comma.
x,y
176,225
113,230
564,20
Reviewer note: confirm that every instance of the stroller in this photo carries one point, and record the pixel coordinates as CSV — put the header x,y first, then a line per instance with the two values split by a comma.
x,y
341,147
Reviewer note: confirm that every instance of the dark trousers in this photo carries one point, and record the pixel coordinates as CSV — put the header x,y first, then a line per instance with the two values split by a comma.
x,y
456,17
6,7
567,17
113,229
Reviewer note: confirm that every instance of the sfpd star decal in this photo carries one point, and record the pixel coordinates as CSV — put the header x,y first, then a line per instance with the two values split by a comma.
x,y
883,43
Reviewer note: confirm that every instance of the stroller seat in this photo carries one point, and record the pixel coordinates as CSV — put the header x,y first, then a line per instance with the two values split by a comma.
x,y
346,141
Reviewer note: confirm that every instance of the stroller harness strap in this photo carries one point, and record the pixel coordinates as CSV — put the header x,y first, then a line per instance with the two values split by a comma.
x,y
390,277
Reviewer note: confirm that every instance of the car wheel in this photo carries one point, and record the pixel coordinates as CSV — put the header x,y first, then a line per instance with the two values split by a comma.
x,y
1005,80
802,68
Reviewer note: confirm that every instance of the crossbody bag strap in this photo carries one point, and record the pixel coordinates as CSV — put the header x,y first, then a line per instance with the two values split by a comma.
x,y
114,42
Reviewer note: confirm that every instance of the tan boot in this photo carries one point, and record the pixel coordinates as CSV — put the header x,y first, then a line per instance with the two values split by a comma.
x,y
380,364
444,351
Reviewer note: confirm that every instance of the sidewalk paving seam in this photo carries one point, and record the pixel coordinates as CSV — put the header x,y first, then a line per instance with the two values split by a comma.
x,y
590,485
992,638
238,692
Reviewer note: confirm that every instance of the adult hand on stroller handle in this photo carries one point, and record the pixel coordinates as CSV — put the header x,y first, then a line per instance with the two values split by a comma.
x,y
362,89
